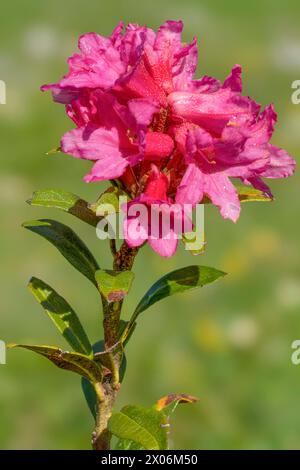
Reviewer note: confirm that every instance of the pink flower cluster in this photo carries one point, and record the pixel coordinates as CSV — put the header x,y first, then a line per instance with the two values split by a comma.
x,y
143,119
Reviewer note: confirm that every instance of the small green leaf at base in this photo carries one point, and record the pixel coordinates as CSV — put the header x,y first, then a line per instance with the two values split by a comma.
x,y
114,285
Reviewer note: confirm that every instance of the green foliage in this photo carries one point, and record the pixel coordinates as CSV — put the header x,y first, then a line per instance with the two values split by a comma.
x,y
62,315
249,194
246,194
115,357
74,362
65,201
114,285
140,428
145,427
108,202
134,426
172,283
68,243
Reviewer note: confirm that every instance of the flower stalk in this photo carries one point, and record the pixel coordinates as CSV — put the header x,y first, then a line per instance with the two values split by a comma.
x,y
107,392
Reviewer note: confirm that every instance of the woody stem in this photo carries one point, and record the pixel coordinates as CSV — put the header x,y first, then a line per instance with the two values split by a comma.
x,y
107,391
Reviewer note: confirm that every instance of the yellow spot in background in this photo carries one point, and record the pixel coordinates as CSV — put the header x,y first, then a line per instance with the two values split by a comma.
x,y
209,336
264,243
237,262
255,247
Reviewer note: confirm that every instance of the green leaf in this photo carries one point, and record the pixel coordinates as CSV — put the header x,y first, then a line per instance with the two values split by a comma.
x,y
66,202
62,315
68,243
114,285
246,194
165,406
90,396
249,194
108,202
74,362
145,427
175,282
126,444
53,151
169,403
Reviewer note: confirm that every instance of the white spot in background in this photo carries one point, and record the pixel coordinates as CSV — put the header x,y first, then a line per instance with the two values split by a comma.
x,y
41,42
285,54
288,293
243,332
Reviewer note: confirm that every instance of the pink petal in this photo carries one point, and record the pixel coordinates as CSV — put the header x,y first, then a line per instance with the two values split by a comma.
x,y
169,34
139,84
164,247
205,85
133,43
190,190
260,132
135,233
92,143
100,71
106,169
234,81
281,164
116,35
158,65
61,95
157,185
92,44
143,110
212,111
258,183
158,145
223,194
184,67
198,140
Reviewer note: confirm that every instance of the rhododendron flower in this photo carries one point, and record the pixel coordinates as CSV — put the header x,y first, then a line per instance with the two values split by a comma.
x,y
153,217
135,102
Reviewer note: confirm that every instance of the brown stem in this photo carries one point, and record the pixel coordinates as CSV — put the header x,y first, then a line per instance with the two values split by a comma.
x,y
124,258
107,392
101,436
113,247
112,313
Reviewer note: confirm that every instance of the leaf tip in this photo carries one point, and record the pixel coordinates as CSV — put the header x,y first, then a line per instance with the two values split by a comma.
x,y
53,151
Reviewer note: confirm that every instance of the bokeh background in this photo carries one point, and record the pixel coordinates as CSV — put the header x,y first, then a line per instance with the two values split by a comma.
x,y
230,343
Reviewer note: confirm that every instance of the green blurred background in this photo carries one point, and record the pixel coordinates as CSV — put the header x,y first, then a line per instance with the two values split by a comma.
x,y
230,343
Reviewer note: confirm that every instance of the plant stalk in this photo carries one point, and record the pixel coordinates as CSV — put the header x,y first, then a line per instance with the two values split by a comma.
x,y
107,391
101,436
